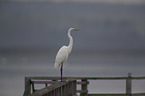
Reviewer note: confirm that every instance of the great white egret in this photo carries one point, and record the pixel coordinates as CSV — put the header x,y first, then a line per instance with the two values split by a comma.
x,y
63,52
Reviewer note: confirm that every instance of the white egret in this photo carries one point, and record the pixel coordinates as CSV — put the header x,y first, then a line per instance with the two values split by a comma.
x,y
63,52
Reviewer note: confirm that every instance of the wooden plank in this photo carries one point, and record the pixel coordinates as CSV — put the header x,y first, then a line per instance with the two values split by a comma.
x,y
107,95
115,94
89,78
50,88
27,87
84,87
33,89
74,87
83,82
44,82
137,77
128,84
138,95
82,91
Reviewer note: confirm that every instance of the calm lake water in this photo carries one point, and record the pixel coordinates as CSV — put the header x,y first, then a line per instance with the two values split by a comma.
x,y
15,66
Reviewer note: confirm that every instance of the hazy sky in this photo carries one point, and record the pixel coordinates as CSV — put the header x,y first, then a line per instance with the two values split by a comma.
x,y
44,25
107,1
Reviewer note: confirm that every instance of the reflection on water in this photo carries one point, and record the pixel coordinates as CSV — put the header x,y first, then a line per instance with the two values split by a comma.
x,y
14,67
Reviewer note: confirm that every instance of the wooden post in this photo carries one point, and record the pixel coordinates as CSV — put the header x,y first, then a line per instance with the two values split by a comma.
x,y
46,85
27,87
84,88
33,89
128,84
74,87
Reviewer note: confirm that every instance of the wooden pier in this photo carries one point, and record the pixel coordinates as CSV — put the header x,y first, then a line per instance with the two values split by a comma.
x,y
53,86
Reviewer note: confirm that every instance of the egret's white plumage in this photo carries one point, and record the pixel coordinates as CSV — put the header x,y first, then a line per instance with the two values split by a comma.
x,y
64,51
61,56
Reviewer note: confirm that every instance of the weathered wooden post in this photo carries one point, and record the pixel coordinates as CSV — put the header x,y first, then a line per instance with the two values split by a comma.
x,y
84,88
33,89
74,87
128,85
27,86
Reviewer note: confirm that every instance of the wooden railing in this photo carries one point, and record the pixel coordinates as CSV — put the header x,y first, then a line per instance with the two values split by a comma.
x,y
83,81
52,88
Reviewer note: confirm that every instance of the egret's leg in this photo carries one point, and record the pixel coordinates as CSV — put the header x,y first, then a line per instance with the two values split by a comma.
x,y
61,71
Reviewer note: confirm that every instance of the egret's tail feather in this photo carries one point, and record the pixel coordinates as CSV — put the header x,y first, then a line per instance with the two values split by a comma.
x,y
55,66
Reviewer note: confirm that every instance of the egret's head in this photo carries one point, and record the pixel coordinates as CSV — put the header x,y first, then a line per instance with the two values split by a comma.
x,y
73,29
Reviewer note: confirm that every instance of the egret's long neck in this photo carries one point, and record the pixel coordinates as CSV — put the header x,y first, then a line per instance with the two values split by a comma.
x,y
70,42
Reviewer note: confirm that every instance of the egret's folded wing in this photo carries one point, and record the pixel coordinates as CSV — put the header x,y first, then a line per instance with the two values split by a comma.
x,y
61,56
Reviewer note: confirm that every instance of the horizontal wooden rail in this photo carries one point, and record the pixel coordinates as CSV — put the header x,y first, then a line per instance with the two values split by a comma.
x,y
116,94
89,78
82,91
44,82
80,83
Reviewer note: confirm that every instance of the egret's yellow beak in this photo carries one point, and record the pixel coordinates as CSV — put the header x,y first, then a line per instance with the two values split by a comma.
x,y
75,29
